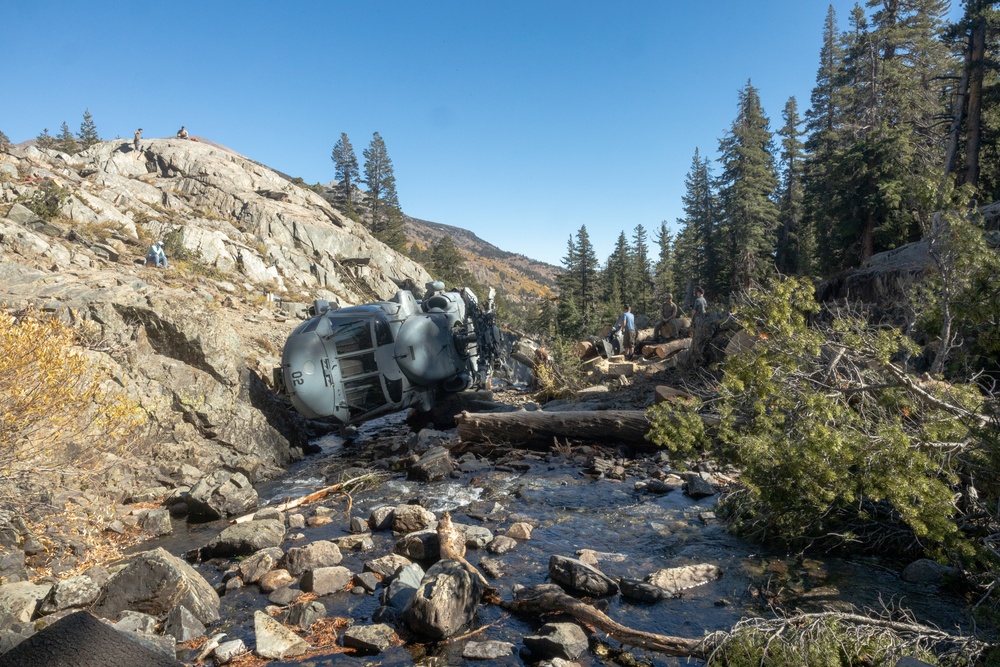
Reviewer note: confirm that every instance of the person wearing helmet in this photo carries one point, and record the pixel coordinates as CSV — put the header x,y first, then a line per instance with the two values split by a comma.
x,y
155,256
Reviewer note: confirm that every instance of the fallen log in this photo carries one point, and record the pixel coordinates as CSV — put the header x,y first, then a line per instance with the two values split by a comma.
x,y
664,350
539,427
549,598
313,497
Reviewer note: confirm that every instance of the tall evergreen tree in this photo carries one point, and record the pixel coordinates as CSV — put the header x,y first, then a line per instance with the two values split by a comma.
x,y
696,247
663,272
386,217
794,243
4,141
345,164
45,140
641,295
578,282
66,142
87,135
617,274
747,187
824,121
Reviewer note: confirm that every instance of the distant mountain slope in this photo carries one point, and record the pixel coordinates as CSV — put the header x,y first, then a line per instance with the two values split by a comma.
x,y
518,276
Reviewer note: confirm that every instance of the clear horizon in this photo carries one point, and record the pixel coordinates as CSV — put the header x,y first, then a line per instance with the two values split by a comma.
x,y
518,121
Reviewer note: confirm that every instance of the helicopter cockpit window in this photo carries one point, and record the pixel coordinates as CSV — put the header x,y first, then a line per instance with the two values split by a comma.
x,y
383,336
358,364
352,336
364,395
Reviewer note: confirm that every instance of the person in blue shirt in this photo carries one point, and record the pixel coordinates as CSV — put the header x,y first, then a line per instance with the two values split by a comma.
x,y
155,256
627,324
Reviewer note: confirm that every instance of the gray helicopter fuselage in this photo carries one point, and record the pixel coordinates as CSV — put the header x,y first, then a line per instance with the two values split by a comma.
x,y
359,362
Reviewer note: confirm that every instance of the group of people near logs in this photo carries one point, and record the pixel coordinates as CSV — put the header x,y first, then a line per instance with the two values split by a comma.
x,y
670,325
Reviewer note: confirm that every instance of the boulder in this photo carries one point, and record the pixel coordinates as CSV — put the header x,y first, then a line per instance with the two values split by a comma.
x,y
640,591
927,571
228,651
82,640
77,591
326,580
244,539
420,545
567,641
221,494
675,579
303,614
257,565
156,581
411,518
386,566
182,625
476,537
402,587
273,580
580,577
436,464
501,544
698,487
275,641
370,639
320,553
488,650
157,522
21,599
381,518
445,601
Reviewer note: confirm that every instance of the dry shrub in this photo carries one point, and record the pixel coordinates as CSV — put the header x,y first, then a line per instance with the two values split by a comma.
x,y
58,415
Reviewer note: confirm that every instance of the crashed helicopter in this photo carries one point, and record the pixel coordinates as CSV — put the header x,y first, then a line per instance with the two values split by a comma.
x,y
356,363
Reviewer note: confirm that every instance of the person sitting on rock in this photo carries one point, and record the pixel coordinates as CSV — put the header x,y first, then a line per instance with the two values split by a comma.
x,y
155,256
182,133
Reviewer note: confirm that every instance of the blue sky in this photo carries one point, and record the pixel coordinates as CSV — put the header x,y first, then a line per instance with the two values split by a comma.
x,y
518,120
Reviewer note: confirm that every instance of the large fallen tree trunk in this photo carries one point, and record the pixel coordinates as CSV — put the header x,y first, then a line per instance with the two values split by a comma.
x,y
664,350
549,598
539,428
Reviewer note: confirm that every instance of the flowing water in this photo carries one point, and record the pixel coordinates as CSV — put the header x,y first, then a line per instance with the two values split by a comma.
x,y
635,533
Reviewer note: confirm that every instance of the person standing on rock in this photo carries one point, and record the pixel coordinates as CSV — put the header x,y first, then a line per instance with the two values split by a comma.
x,y
182,133
627,324
700,306
135,142
156,257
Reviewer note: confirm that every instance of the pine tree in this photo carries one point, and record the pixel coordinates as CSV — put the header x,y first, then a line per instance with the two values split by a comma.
x,y
66,142
794,243
663,273
617,275
748,182
386,216
578,283
641,296
824,121
4,141
345,164
88,131
45,140
696,252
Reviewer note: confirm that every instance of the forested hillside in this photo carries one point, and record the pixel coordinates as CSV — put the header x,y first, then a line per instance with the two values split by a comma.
x,y
902,123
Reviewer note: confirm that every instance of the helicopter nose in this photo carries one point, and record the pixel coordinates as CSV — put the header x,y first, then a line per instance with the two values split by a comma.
x,y
305,366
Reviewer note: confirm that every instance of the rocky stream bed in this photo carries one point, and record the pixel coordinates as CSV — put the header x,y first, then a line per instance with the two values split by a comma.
x,y
356,574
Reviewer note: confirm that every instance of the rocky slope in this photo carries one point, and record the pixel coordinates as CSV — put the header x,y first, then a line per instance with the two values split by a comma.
x,y
194,344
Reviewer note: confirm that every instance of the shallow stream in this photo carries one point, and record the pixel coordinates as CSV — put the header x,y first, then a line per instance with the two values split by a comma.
x,y
635,533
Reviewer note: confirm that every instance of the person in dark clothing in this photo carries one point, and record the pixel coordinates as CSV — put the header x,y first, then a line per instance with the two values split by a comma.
x,y
700,306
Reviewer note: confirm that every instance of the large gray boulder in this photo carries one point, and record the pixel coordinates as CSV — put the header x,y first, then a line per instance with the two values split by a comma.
x,y
76,591
22,599
320,553
445,601
155,582
580,577
567,641
220,495
81,640
275,641
243,539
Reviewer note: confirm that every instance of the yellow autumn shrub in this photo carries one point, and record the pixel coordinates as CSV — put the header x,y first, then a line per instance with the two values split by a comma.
x,y
58,413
